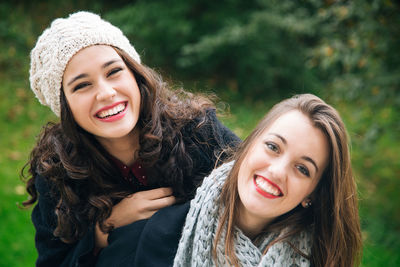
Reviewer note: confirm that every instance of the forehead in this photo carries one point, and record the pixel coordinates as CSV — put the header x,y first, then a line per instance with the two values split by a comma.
x,y
92,55
97,50
291,122
301,136
89,59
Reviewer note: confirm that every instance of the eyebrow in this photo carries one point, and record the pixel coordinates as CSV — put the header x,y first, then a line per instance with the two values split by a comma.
x,y
280,137
303,157
83,75
108,63
311,161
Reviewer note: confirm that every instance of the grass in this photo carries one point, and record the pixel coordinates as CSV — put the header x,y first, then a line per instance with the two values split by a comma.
x,y
22,117
20,121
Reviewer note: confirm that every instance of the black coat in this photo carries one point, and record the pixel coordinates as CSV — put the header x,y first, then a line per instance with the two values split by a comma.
x,y
202,144
146,243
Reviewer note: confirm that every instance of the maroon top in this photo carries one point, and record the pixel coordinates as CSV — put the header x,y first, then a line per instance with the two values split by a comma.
x,y
134,173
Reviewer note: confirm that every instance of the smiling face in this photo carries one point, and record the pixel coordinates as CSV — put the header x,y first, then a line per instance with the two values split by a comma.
x,y
102,93
280,171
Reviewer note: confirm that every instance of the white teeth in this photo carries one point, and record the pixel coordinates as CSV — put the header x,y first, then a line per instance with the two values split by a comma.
x,y
267,187
112,111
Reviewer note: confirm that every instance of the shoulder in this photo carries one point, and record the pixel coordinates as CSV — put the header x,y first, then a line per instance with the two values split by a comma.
x,y
145,243
204,121
44,212
303,241
219,175
159,240
42,184
207,130
167,221
295,250
51,142
51,132
212,183
206,118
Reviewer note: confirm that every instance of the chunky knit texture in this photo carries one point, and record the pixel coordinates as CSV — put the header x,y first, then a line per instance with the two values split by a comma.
x,y
58,43
195,245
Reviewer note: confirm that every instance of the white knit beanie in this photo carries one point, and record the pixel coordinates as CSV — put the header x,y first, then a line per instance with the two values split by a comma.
x,y
58,43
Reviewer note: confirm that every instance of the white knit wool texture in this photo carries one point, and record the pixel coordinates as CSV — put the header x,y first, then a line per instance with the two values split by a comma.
x,y
63,39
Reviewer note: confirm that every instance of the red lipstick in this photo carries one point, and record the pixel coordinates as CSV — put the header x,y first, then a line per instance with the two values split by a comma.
x,y
262,192
115,117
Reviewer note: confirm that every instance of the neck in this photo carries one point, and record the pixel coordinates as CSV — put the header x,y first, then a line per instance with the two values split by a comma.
x,y
250,224
123,148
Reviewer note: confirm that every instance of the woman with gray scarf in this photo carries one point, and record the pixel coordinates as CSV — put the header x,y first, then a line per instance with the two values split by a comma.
x,y
287,198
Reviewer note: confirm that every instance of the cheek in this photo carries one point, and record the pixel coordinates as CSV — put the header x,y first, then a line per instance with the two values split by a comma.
x,y
301,189
243,181
79,105
80,108
245,169
138,98
134,92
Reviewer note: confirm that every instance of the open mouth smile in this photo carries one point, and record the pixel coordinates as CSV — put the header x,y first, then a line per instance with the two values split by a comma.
x,y
110,111
266,188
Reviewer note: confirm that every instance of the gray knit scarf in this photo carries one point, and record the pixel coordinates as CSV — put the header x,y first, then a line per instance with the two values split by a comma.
x,y
195,245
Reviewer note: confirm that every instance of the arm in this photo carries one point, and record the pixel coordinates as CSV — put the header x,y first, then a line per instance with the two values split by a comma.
x,y
138,206
54,252
146,243
51,250
159,240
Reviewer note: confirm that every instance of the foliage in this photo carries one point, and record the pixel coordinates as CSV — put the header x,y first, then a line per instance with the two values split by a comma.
x,y
359,58
230,43
251,53
346,51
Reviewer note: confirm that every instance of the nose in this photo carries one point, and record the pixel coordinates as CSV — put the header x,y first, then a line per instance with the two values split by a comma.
x,y
278,169
105,91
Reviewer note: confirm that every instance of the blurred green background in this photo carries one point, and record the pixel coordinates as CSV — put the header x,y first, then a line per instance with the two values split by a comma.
x,y
251,54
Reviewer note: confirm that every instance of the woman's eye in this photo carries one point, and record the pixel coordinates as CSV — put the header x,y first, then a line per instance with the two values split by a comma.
x,y
273,147
81,85
114,71
303,170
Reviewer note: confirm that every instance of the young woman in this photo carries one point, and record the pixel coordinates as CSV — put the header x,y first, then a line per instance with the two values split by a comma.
x,y
126,146
288,199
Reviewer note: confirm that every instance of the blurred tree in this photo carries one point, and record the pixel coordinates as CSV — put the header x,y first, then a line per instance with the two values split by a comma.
x,y
21,21
358,56
266,46
242,45
346,51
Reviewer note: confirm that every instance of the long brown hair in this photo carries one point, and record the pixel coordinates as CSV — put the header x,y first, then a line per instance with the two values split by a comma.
x,y
82,181
333,218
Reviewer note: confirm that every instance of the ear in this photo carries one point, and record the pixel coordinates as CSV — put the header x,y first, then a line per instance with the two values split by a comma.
x,y
306,203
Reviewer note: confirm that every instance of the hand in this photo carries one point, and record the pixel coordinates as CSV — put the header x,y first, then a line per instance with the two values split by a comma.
x,y
138,206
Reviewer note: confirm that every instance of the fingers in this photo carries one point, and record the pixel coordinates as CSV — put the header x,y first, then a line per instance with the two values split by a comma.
x,y
154,193
160,203
100,238
147,208
141,205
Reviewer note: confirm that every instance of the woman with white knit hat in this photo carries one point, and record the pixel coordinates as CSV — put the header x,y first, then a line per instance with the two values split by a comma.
x,y
126,144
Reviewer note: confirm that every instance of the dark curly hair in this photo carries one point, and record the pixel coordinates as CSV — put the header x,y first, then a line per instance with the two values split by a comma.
x,y
82,180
